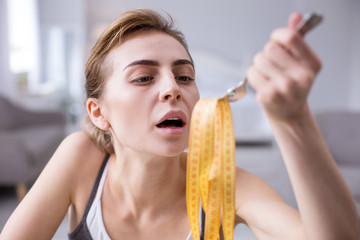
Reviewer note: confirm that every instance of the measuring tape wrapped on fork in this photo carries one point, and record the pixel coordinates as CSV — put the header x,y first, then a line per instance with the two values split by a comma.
x,y
211,158
211,168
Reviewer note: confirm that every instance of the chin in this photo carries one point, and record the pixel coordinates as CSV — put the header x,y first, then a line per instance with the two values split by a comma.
x,y
172,151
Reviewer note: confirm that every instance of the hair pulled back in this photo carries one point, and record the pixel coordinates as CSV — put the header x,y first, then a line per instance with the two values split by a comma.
x,y
126,26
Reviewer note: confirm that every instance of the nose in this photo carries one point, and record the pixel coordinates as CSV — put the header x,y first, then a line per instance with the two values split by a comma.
x,y
170,90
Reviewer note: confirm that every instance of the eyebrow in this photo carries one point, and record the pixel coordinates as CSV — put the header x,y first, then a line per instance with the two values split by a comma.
x,y
182,62
156,63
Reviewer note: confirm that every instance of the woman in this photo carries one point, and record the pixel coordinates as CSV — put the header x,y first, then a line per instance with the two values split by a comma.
x,y
141,92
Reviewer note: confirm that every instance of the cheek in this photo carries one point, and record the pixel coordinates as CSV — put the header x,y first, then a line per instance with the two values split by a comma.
x,y
123,113
129,109
116,107
193,97
127,123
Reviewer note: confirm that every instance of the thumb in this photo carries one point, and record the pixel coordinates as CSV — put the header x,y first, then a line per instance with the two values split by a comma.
x,y
294,20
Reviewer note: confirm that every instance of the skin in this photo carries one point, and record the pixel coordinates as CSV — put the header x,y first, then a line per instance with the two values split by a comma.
x,y
144,192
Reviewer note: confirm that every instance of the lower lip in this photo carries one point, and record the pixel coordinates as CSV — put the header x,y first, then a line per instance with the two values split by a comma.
x,y
172,131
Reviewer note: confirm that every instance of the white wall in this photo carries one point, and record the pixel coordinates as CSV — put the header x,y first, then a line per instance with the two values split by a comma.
x,y
337,44
6,79
236,30
66,16
355,58
231,29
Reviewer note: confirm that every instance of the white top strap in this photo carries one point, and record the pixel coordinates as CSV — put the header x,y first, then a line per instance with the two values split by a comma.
x,y
94,219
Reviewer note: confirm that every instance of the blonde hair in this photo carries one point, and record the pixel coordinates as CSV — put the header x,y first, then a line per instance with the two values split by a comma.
x,y
129,24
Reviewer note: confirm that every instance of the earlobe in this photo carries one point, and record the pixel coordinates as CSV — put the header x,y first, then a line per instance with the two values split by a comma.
x,y
94,110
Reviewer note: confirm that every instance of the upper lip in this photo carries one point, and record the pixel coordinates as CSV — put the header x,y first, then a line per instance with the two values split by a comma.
x,y
174,114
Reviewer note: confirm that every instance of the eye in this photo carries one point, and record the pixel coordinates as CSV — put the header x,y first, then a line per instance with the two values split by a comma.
x,y
184,78
142,80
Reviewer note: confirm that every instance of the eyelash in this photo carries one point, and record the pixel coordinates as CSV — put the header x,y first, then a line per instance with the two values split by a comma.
x,y
180,78
141,80
146,79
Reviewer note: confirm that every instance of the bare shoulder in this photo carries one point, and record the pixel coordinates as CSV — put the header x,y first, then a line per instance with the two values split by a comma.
x,y
252,190
76,157
73,168
75,153
77,144
81,158
68,175
246,180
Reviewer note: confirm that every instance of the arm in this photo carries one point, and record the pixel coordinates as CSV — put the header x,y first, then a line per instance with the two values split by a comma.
x,y
282,76
40,213
326,205
262,209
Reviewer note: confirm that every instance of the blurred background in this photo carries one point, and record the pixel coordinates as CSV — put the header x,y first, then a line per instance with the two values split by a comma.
x,y
44,45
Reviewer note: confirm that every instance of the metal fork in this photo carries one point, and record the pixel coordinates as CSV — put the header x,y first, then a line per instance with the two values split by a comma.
x,y
309,21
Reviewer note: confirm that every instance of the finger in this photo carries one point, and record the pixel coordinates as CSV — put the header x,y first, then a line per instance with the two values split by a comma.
x,y
286,59
267,91
266,66
256,79
279,56
295,44
294,20
288,66
281,79
290,40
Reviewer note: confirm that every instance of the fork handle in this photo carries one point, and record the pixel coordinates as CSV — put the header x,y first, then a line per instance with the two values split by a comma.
x,y
310,20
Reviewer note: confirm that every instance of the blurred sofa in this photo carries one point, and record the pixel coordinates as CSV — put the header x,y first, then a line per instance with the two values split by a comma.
x,y
341,131
27,141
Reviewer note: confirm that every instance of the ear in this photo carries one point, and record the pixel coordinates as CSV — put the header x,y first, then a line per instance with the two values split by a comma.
x,y
94,110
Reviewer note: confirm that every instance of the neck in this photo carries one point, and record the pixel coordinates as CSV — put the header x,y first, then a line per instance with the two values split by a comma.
x,y
147,183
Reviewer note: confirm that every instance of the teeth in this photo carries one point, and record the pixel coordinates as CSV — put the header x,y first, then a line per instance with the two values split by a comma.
x,y
173,118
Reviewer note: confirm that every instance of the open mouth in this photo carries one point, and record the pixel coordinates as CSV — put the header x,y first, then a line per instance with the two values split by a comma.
x,y
173,122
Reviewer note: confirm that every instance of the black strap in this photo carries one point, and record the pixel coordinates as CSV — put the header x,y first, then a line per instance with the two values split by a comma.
x,y
80,228
96,185
202,224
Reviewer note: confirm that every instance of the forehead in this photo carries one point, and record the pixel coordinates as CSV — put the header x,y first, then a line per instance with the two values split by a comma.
x,y
149,45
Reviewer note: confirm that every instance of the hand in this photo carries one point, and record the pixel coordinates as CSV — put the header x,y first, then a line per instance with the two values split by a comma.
x,y
283,73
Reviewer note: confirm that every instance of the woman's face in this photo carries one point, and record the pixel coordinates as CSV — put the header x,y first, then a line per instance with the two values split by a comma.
x,y
149,94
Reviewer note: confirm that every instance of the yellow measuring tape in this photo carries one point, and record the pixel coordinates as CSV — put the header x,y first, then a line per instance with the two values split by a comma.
x,y
211,169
